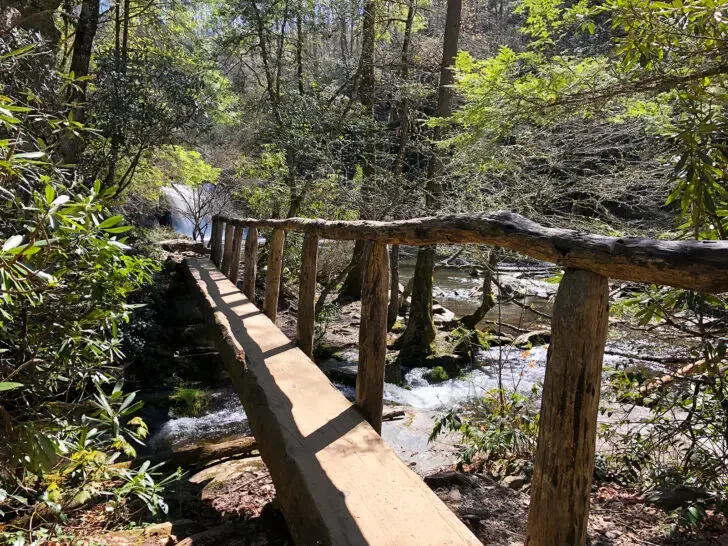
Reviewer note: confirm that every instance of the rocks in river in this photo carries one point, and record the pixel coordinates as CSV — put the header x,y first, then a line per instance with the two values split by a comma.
x,y
441,315
516,482
449,363
531,339
184,245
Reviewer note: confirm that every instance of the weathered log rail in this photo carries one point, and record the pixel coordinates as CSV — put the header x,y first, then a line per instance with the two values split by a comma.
x,y
564,461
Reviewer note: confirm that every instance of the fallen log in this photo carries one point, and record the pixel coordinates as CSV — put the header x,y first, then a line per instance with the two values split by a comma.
x,y
682,373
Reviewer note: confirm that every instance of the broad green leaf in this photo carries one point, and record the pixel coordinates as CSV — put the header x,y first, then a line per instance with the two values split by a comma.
x,y
9,386
111,222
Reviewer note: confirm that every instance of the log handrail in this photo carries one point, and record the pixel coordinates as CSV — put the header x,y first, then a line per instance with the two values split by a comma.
x,y
696,265
567,436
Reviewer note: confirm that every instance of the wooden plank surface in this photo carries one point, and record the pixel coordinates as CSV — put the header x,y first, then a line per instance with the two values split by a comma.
x,y
697,265
337,481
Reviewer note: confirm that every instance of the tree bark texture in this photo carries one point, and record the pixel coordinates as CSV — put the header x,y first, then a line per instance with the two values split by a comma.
x,y
227,252
307,294
393,309
273,278
216,241
415,343
235,259
373,337
250,269
564,461
471,321
694,265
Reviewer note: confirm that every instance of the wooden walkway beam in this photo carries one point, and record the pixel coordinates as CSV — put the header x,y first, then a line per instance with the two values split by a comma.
x,y
695,265
337,481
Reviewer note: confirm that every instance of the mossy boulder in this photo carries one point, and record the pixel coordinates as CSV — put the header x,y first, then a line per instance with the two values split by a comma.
x,y
436,375
450,364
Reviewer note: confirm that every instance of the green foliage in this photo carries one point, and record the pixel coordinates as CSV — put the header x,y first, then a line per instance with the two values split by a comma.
x,y
467,343
189,401
501,425
328,313
65,277
437,375
171,165
681,442
667,72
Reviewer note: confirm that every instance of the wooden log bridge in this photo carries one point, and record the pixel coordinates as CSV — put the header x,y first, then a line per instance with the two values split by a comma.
x,y
337,481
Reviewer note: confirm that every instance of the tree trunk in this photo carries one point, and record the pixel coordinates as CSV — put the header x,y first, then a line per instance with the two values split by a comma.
x,y
404,73
88,21
393,309
420,332
415,343
299,48
564,462
352,286
472,320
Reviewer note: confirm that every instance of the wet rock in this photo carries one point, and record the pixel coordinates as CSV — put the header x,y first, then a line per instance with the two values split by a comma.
x,y
451,363
160,534
530,339
440,314
184,245
499,340
515,482
204,452
671,498
342,372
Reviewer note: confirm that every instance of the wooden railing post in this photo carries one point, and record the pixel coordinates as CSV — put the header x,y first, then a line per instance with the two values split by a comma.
x,y
227,253
373,335
216,241
273,278
307,294
235,260
250,268
564,460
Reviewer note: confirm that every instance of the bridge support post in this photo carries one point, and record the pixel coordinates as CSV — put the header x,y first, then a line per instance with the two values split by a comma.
x,y
564,460
227,253
307,294
216,241
373,335
273,278
235,259
250,268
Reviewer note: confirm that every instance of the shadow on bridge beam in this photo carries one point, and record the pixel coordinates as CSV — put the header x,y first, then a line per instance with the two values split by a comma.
x,y
337,481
